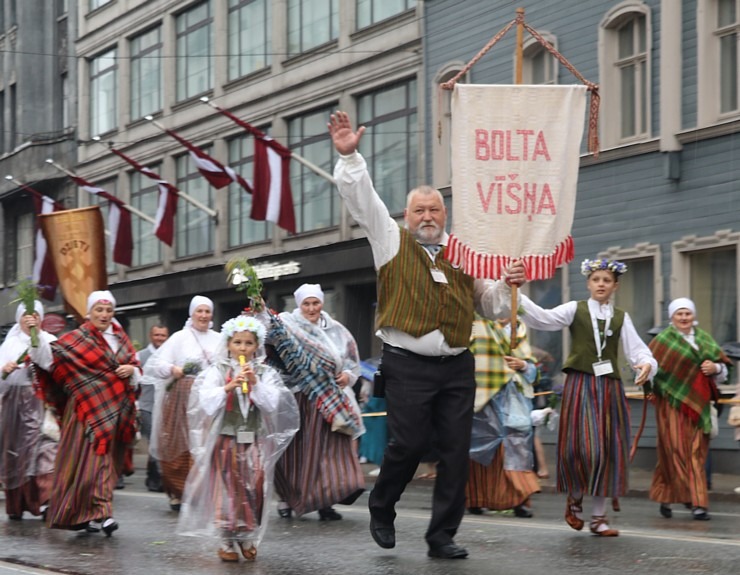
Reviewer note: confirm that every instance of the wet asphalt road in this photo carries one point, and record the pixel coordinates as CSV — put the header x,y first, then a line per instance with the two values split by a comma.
x,y
498,543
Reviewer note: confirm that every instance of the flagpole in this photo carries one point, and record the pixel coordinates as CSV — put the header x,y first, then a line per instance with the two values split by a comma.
x,y
130,208
211,212
513,341
310,165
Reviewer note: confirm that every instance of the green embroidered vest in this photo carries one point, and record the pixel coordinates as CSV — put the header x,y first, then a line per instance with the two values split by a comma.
x,y
410,300
583,347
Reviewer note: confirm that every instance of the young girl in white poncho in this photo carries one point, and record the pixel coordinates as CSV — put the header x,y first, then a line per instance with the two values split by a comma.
x,y
241,418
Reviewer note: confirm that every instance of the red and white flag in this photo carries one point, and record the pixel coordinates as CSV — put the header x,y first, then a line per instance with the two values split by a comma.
x,y
119,222
272,198
164,221
218,175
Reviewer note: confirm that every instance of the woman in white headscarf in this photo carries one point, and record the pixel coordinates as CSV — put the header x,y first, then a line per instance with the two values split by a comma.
x,y
320,467
172,369
90,376
26,454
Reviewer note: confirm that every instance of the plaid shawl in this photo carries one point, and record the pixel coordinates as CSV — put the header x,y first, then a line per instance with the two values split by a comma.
x,y
311,365
84,369
679,378
489,343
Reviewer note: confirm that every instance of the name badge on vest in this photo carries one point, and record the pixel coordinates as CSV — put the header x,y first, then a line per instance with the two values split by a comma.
x,y
438,276
243,436
602,368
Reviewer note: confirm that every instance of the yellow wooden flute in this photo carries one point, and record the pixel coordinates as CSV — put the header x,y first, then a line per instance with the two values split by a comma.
x,y
245,387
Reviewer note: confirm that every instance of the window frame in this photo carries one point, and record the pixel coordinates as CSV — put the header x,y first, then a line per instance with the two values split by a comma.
x,y
302,46
239,55
136,59
609,66
96,76
409,5
239,202
140,187
182,83
442,123
184,218
531,49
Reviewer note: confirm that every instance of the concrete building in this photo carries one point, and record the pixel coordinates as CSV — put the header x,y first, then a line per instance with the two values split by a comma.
x,y
664,194
38,118
282,66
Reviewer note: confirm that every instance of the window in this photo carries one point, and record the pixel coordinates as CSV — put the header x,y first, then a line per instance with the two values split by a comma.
x,y
194,40
64,96
636,295
13,113
194,228
625,42
95,4
390,144
538,65
441,106
103,111
316,200
146,73
242,229
311,23
24,245
705,269
249,36
728,28
372,11
144,197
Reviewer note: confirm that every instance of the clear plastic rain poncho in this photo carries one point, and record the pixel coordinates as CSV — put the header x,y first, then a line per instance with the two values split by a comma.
x,y
229,488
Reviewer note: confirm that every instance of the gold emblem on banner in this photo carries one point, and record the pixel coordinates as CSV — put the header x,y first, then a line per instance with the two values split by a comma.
x,y
76,240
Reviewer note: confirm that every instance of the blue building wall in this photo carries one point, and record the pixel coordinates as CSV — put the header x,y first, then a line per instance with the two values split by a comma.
x,y
625,197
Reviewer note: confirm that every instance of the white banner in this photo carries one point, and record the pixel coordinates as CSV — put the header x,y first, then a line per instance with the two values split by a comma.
x,y
515,159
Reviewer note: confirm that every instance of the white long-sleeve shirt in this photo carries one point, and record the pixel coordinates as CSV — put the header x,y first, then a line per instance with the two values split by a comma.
x,y
557,318
492,298
264,394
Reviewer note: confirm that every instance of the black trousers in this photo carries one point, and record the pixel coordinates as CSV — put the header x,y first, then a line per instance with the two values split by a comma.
x,y
427,399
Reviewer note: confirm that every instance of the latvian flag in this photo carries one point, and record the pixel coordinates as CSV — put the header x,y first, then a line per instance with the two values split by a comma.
x,y
119,223
272,198
164,221
44,275
218,175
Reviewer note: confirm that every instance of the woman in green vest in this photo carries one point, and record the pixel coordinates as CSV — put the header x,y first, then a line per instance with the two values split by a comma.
x,y
594,433
241,419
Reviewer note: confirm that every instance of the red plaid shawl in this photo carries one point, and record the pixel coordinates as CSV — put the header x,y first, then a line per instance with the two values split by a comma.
x,y
84,369
679,378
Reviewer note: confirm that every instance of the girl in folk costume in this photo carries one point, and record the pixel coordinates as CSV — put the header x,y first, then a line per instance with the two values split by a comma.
x,y
172,369
320,467
690,365
594,433
26,453
90,375
501,470
241,418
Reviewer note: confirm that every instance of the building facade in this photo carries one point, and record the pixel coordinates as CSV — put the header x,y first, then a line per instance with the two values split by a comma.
x,y
283,66
664,193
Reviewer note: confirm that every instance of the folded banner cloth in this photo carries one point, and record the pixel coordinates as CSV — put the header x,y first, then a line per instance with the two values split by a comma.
x,y
515,159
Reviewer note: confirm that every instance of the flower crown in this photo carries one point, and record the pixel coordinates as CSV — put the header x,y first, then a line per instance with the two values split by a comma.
x,y
614,266
244,323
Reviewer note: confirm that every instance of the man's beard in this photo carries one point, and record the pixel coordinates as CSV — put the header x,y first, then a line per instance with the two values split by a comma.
x,y
428,234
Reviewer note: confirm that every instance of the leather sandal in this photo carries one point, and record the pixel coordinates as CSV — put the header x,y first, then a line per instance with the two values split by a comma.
x,y
600,520
228,555
248,550
572,507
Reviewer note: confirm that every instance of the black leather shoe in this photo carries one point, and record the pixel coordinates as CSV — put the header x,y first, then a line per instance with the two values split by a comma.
x,y
285,512
383,536
329,514
120,484
700,514
448,551
475,510
522,511
109,526
665,511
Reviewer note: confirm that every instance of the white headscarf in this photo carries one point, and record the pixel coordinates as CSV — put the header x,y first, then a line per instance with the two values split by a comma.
x,y
681,303
100,295
308,290
21,311
194,303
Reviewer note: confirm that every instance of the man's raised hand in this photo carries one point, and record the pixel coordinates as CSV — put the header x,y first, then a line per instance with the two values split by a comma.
x,y
345,139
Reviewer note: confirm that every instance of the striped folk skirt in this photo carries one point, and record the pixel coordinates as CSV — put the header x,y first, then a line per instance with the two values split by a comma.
x,y
594,436
320,467
84,481
238,480
495,488
682,447
174,447
26,455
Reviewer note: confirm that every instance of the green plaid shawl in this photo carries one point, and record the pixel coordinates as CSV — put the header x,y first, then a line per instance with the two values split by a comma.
x,y
679,378
489,343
